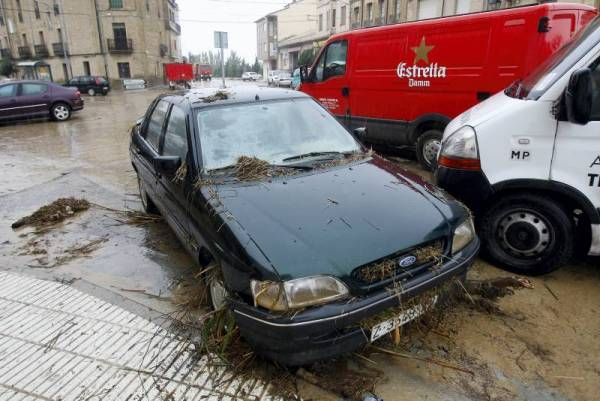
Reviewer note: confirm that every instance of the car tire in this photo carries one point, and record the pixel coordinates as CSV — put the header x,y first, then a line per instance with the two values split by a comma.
x,y
147,203
527,234
91,92
428,144
60,111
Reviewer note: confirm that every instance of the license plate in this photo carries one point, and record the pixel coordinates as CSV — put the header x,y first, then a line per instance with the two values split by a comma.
x,y
381,329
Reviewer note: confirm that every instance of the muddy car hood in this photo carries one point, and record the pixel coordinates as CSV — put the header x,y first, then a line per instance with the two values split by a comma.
x,y
330,222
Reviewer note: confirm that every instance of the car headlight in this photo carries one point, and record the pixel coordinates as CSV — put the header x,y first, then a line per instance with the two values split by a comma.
x,y
459,150
298,293
463,235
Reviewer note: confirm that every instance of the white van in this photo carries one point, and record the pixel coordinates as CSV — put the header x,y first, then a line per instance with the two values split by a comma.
x,y
527,162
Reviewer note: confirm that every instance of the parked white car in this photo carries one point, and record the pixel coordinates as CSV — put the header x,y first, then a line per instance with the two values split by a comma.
x,y
284,79
250,76
273,77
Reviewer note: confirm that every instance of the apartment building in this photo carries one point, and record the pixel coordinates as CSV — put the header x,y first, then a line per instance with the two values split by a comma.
x,y
116,38
302,25
366,13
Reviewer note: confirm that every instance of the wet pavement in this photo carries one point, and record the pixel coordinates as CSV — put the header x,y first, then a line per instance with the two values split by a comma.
x,y
543,347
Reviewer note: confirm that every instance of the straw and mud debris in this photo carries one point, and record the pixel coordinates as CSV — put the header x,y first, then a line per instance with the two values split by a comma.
x,y
53,213
218,95
180,173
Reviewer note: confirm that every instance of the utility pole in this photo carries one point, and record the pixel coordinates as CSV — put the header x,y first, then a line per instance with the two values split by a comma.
x,y
101,39
64,37
221,43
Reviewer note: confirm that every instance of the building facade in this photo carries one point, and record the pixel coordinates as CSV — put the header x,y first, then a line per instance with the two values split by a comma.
x,y
118,39
366,13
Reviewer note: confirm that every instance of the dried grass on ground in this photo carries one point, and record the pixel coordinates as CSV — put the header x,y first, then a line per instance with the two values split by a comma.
x,y
55,212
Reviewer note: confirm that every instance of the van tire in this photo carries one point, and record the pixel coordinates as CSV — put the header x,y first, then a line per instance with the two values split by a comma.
x,y
428,144
527,234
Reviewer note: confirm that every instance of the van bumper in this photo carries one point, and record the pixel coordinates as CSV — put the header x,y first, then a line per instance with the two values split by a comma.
x,y
333,329
471,187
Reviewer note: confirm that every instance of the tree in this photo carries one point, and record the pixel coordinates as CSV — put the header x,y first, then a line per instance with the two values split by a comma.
x,y
7,68
257,66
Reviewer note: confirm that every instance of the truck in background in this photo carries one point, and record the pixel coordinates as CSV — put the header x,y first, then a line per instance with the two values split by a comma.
x,y
203,72
179,75
527,162
405,82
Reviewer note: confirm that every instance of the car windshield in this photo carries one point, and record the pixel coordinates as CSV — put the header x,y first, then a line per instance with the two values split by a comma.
x,y
547,73
272,131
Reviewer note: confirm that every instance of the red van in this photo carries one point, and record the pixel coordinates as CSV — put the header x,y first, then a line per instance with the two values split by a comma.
x,y
405,82
179,74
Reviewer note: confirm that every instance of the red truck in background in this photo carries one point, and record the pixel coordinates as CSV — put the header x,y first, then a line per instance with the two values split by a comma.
x,y
203,72
179,74
405,82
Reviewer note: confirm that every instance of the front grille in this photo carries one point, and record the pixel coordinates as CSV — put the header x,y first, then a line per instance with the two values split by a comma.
x,y
426,255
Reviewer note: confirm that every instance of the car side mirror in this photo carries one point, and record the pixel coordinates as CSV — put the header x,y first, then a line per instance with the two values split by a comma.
x,y
304,73
579,97
360,133
167,164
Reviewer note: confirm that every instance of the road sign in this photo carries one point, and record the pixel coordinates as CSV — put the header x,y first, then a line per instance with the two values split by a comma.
x,y
220,40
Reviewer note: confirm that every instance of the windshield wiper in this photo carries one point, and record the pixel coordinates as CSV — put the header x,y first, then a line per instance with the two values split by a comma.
x,y
290,166
311,154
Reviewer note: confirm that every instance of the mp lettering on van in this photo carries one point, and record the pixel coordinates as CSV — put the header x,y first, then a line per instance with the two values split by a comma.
x,y
519,155
420,76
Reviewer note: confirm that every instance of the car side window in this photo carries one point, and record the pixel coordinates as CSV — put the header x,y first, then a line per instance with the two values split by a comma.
x,y
175,143
155,124
595,115
332,62
33,89
8,90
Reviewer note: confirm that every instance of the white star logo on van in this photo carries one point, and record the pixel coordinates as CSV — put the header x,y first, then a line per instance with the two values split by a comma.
x,y
422,51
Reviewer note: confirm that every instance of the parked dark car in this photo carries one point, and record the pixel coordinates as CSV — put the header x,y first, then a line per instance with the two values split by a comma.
x,y
25,99
90,84
296,245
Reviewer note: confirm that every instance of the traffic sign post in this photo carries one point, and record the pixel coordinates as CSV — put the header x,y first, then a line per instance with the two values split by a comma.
x,y
221,43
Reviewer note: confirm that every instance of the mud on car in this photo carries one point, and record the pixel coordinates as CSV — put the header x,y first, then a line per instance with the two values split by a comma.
x,y
310,230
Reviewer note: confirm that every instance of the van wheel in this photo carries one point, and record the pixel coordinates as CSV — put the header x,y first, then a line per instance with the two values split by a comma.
x,y
527,234
428,145
92,92
147,203
60,112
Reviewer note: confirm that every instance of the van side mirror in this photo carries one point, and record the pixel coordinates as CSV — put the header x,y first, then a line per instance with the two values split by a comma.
x,y
167,164
361,133
303,73
579,97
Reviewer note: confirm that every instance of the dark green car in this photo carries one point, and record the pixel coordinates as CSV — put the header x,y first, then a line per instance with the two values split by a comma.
x,y
313,233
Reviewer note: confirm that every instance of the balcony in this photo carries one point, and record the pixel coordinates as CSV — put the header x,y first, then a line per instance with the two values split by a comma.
x,y
120,45
164,50
24,52
5,53
41,51
58,49
174,26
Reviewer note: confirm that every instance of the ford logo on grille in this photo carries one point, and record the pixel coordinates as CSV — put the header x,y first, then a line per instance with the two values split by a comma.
x,y
407,261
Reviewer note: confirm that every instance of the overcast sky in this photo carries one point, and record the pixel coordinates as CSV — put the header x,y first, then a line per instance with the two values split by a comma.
x,y
200,18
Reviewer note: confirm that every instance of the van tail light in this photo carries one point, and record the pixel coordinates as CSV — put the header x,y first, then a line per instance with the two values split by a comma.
x,y
460,150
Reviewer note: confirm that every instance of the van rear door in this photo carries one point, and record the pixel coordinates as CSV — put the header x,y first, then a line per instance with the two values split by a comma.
x,y
328,80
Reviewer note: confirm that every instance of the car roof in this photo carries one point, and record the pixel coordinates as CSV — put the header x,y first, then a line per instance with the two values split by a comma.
x,y
208,97
26,81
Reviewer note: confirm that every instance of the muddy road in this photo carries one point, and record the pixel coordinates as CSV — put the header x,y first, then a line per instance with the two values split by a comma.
x,y
538,344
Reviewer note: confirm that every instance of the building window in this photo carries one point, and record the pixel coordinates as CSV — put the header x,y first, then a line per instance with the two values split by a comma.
x,y
327,20
36,9
124,71
463,6
86,68
19,11
24,40
370,12
42,39
333,12
343,16
381,10
147,6
1,20
115,3
356,14
56,8
397,9
428,9
59,32
320,22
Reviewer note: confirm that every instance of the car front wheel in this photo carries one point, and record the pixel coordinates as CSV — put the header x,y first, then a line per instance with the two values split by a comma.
x,y
428,145
528,234
60,112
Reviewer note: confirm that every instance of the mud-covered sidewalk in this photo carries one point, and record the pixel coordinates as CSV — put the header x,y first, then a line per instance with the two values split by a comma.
x,y
536,343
